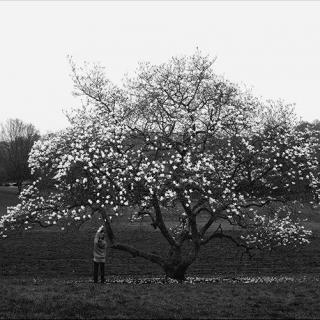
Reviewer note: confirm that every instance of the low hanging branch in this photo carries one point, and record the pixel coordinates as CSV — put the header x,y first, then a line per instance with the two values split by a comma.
x,y
124,247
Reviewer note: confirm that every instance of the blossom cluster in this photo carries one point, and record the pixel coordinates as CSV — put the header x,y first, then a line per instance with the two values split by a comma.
x,y
276,229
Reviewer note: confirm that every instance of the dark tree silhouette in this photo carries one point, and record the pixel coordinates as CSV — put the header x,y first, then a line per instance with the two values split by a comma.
x,y
17,139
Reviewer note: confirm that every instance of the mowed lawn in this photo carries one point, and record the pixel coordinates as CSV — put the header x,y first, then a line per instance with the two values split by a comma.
x,y
40,272
58,299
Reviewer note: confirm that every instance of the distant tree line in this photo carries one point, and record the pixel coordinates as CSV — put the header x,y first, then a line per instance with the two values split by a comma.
x,y
16,141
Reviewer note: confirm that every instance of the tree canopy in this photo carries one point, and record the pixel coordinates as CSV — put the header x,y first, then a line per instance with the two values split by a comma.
x,y
174,139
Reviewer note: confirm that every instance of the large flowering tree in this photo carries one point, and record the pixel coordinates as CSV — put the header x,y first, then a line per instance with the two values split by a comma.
x,y
174,140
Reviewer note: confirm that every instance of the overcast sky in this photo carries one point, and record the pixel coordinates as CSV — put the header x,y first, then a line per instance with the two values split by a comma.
x,y
273,47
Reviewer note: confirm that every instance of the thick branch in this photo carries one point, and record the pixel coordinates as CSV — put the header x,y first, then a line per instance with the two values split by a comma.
x,y
219,234
259,204
212,219
160,223
138,253
124,247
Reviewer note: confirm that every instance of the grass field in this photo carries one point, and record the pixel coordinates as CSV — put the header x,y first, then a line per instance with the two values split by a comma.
x,y
55,253
40,272
69,254
56,298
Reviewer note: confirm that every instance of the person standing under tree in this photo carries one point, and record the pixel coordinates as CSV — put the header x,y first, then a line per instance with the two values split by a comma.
x,y
99,255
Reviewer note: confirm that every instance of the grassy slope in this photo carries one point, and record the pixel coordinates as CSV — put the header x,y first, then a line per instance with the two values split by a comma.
x,y
69,254
58,299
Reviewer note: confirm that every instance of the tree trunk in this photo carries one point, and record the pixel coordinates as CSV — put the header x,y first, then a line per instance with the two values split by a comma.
x,y
176,272
174,265
19,185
